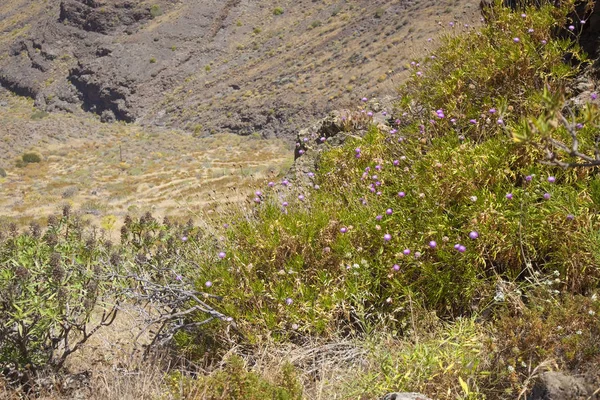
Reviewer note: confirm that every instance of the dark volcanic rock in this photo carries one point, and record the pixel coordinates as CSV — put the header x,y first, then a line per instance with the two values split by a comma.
x,y
101,16
107,98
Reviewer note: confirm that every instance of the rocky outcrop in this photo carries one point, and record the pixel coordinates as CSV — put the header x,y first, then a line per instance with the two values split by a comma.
x,y
554,385
100,96
102,16
333,131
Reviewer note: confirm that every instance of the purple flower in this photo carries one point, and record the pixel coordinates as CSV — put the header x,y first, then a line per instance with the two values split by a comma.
x,y
433,244
222,255
509,196
208,284
289,301
344,230
523,15
301,197
516,40
357,150
473,121
258,193
396,162
579,126
451,24
387,237
500,121
570,217
571,28
594,96
530,30
378,167
546,196
473,235
364,99
257,200
323,139
544,41
406,252
300,151
285,204
492,111
179,277
184,238
285,182
389,211
551,179
401,194
379,217
529,178
370,114
396,267
456,246
271,184
462,248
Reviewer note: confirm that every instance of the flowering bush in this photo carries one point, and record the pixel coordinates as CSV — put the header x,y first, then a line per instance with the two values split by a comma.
x,y
55,293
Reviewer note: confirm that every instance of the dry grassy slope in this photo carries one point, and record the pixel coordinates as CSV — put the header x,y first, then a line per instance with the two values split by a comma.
x,y
273,72
114,169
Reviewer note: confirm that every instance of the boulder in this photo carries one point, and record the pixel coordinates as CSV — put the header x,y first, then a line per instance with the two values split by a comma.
x,y
554,385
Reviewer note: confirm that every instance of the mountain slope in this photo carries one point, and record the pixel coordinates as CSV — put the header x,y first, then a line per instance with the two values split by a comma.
x,y
209,66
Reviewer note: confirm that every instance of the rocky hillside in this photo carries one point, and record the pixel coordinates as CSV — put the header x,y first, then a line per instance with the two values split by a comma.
x,y
207,66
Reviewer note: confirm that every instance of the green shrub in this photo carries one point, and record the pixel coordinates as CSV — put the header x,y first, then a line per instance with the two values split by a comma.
x,y
277,11
38,114
155,11
2,173
47,299
235,381
31,157
315,24
455,179
501,68
153,60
